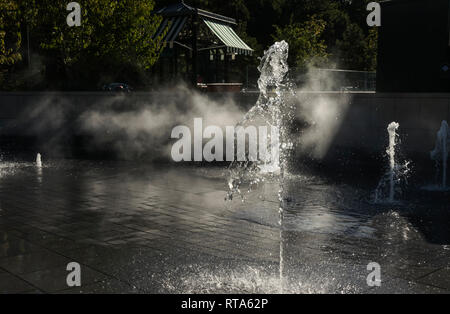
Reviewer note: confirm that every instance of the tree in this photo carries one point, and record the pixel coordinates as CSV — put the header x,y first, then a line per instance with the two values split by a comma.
x,y
114,42
305,44
350,43
358,44
371,50
358,51
10,37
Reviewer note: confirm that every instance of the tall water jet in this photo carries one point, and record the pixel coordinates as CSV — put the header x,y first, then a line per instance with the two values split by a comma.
x,y
397,171
39,160
440,153
273,109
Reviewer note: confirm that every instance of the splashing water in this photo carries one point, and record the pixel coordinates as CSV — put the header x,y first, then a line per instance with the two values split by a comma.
x,y
273,109
243,280
440,153
397,172
38,161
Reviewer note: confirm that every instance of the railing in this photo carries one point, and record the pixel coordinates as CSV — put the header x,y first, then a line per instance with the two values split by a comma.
x,y
323,80
336,80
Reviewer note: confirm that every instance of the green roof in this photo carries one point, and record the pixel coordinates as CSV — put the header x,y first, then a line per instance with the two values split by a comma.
x,y
228,37
175,19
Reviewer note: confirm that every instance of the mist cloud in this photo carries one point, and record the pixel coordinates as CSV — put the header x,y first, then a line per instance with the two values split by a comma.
x,y
321,113
128,126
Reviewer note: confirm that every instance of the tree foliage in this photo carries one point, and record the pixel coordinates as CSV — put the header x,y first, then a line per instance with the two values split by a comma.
x,y
10,36
114,41
305,44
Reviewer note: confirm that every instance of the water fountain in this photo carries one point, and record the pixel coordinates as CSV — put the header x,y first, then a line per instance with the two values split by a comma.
x,y
39,160
392,130
440,153
273,108
396,172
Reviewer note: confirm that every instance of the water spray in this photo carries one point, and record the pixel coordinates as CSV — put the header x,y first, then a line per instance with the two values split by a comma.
x,y
392,130
39,160
397,171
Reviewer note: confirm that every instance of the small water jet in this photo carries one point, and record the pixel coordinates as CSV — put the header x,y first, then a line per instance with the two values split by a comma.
x,y
39,160
396,173
392,130
440,154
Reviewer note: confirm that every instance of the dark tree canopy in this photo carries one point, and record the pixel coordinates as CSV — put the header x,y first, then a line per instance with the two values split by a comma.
x,y
115,40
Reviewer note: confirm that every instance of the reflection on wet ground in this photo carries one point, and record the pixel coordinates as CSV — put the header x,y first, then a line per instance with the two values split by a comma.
x,y
160,229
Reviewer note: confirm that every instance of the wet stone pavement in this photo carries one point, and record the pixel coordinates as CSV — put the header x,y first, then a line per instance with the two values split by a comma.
x,y
137,228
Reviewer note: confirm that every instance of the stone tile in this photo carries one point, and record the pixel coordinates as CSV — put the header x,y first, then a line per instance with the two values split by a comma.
x,y
439,278
410,272
18,247
12,284
110,286
53,280
61,245
10,235
32,262
400,286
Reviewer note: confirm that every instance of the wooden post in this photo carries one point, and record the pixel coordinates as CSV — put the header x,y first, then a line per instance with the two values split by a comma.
x,y
172,64
216,56
161,70
176,61
227,59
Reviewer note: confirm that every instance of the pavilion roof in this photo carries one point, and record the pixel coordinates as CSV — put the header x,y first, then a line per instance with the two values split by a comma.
x,y
176,17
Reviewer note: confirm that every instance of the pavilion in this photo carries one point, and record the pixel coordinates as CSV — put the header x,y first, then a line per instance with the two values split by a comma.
x,y
199,43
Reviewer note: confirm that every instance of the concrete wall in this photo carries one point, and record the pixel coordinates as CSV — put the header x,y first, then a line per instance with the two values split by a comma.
x,y
419,116
362,120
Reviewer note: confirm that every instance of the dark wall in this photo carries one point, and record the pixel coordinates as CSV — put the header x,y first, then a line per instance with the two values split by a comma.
x,y
413,46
